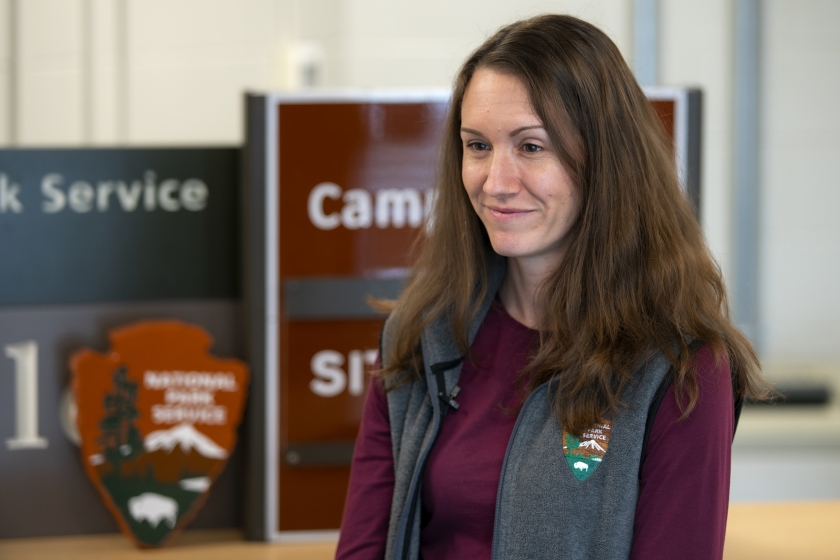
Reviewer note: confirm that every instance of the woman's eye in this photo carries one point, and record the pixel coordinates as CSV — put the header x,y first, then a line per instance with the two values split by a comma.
x,y
531,147
477,146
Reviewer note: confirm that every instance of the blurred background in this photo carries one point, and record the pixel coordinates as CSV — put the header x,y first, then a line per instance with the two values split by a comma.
x,y
84,73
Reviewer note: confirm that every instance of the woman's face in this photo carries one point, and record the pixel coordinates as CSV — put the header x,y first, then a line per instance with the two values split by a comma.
x,y
512,173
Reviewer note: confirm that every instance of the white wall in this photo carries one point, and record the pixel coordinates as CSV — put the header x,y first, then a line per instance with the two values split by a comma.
x,y
189,62
6,100
49,87
419,44
696,45
140,72
800,181
94,72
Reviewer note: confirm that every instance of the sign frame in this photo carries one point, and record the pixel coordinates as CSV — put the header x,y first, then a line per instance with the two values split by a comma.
x,y
688,135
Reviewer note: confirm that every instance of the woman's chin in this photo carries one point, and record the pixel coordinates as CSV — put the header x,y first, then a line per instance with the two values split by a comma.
x,y
504,249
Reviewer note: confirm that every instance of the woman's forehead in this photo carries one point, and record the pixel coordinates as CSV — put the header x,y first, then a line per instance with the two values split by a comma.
x,y
499,96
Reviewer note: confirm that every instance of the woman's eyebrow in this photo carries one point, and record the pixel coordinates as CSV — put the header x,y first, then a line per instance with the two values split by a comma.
x,y
524,128
512,134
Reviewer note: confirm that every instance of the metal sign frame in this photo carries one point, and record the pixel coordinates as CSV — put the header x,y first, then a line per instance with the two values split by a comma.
x,y
688,106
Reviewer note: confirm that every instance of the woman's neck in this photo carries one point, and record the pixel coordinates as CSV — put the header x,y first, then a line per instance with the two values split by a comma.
x,y
518,291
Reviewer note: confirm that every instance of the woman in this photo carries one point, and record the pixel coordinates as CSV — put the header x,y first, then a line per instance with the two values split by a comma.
x,y
559,377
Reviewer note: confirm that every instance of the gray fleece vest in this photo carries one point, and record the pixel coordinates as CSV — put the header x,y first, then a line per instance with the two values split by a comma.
x,y
543,509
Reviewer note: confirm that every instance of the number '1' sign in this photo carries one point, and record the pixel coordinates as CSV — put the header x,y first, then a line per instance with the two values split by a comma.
x,y
25,356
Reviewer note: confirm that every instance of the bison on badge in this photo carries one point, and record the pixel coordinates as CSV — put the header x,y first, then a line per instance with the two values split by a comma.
x,y
154,508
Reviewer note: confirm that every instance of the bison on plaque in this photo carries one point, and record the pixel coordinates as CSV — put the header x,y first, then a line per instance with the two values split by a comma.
x,y
157,415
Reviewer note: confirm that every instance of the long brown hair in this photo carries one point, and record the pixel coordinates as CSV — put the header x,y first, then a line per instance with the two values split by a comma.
x,y
637,275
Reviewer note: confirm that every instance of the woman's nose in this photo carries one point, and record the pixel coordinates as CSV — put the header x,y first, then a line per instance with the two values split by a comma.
x,y
502,180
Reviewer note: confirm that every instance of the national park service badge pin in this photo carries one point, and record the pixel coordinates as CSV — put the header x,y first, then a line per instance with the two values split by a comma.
x,y
157,415
585,454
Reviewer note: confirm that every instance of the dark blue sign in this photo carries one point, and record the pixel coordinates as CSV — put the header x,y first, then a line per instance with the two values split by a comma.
x,y
94,225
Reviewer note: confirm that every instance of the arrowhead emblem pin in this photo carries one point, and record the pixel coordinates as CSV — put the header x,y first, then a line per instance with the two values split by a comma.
x,y
584,455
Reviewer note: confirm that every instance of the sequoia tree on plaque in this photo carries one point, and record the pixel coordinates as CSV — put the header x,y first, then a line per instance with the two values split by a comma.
x,y
157,415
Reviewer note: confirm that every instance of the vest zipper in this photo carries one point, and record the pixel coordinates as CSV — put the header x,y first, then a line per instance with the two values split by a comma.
x,y
446,402
407,537
504,468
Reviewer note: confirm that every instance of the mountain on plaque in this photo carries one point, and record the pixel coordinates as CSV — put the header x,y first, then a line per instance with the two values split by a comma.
x,y
186,438
158,418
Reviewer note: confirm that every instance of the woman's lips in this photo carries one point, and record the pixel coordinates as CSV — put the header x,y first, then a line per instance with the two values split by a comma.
x,y
500,213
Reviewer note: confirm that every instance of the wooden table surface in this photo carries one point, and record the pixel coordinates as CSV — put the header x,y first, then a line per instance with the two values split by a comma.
x,y
755,531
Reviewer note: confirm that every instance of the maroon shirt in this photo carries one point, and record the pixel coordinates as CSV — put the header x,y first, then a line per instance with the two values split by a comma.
x,y
684,487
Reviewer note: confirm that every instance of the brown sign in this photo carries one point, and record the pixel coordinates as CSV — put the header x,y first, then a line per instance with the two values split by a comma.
x,y
355,185
340,188
157,416
356,182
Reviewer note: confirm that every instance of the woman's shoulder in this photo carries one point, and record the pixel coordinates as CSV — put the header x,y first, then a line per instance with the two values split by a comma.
x,y
715,401
712,370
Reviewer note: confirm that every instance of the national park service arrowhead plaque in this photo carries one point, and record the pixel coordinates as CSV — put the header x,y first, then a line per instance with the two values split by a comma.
x,y
157,416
